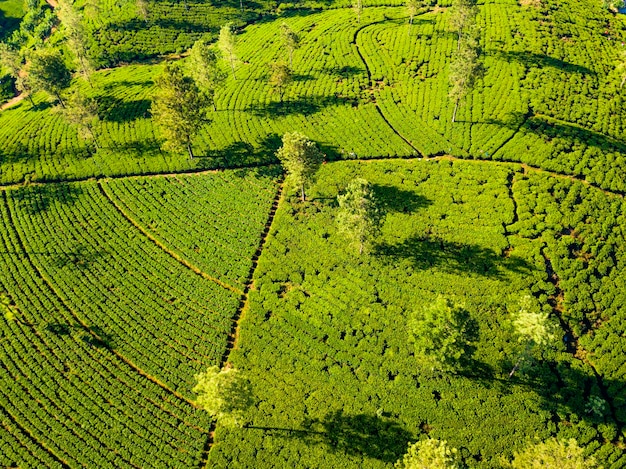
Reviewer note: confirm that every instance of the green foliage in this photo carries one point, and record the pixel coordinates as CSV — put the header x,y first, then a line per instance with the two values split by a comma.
x,y
359,217
553,454
430,454
76,36
280,77
291,41
439,334
227,44
178,109
83,113
205,70
225,394
46,71
301,158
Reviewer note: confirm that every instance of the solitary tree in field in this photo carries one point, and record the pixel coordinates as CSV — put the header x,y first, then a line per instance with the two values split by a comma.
x,y
463,17
46,71
430,454
205,69
412,7
439,333
143,11
357,6
291,41
552,454
227,44
83,113
533,330
76,36
359,217
178,109
225,394
301,159
464,70
280,77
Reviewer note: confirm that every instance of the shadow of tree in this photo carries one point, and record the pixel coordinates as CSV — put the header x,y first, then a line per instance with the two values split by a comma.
x,y
38,199
530,60
101,339
369,435
425,253
112,109
304,106
80,257
393,199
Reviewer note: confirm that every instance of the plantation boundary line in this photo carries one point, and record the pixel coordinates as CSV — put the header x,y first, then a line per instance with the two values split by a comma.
x,y
556,302
14,421
53,290
163,247
371,84
244,304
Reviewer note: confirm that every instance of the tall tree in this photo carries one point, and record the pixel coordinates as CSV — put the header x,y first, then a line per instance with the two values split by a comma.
x,y
439,333
10,59
533,329
205,69
76,36
143,10
359,216
464,70
291,41
227,43
357,6
178,109
552,454
412,7
280,77
463,17
301,159
430,454
46,71
83,113
225,394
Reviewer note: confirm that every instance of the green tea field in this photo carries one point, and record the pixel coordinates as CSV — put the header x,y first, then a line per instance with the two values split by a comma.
x,y
128,269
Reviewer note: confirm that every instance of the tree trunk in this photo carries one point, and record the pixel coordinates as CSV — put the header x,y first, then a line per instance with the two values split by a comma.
x,y
623,81
190,150
303,194
456,107
361,248
30,98
515,368
58,96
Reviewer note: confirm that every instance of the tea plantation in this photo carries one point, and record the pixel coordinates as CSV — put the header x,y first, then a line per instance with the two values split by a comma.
x,y
126,269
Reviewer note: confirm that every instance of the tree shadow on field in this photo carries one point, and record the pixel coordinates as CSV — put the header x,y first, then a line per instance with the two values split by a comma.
x,y
304,106
426,253
38,199
359,435
117,110
345,72
239,154
80,257
532,60
93,336
392,199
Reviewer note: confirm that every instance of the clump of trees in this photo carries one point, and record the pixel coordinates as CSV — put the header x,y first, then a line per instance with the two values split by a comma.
x,y
225,394
301,158
430,454
439,333
179,109
552,454
359,217
46,71
205,69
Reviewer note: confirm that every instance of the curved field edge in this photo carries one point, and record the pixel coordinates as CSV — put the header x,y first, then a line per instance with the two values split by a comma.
x,y
334,373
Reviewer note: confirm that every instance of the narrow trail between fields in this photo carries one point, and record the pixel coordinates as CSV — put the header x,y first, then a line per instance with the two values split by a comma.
x,y
177,257
244,304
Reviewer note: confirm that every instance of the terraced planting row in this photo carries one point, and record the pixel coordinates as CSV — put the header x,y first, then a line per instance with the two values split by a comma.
x,y
109,330
324,342
207,220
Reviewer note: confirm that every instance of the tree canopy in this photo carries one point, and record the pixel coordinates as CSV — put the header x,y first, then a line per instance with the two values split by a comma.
x,y
225,394
46,71
359,216
280,77
552,454
178,109
430,454
227,44
291,41
301,158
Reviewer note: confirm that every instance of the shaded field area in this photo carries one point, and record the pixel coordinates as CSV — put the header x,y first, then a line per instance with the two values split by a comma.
x,y
325,339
